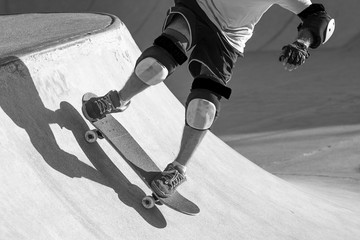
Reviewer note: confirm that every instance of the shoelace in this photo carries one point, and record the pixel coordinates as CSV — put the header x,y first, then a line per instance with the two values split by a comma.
x,y
104,104
173,178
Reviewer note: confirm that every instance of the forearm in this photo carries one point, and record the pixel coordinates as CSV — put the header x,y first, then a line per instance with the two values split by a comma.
x,y
305,37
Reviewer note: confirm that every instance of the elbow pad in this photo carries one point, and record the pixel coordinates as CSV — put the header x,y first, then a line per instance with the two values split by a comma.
x,y
318,22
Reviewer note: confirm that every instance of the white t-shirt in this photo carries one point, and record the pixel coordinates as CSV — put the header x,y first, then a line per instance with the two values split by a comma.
x,y
236,19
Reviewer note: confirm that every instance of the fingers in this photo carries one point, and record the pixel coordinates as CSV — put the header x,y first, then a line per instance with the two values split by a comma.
x,y
293,55
290,63
290,67
286,63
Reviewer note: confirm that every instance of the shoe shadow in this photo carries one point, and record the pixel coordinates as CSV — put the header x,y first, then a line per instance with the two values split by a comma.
x,y
20,100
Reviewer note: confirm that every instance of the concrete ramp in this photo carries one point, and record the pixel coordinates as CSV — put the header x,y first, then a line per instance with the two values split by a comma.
x,y
54,185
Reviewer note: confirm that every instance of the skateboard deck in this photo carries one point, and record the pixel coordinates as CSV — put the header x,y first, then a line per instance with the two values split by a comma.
x,y
121,140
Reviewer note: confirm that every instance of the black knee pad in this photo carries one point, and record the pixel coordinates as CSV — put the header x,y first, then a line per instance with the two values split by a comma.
x,y
203,103
172,47
166,52
157,62
212,84
202,108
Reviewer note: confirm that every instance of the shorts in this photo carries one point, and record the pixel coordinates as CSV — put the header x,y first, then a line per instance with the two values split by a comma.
x,y
210,48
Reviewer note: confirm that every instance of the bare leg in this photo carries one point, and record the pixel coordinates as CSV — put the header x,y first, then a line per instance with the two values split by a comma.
x,y
191,139
132,87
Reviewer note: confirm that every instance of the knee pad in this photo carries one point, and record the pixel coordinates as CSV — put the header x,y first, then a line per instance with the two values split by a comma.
x,y
157,62
318,22
200,113
203,103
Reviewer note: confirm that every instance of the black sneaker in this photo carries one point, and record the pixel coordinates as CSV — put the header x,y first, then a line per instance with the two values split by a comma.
x,y
95,108
166,183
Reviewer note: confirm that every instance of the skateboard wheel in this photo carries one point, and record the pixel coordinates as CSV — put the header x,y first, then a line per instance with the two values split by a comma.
x,y
91,136
148,202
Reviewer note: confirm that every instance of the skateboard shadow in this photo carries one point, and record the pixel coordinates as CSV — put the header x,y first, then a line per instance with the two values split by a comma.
x,y
128,193
20,100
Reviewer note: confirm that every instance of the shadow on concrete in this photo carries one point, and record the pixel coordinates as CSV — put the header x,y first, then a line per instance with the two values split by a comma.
x,y
20,100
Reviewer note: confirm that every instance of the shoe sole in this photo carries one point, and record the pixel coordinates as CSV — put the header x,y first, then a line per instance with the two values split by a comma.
x,y
86,97
158,192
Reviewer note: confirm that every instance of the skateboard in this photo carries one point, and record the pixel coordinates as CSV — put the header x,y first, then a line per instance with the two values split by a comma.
x,y
120,139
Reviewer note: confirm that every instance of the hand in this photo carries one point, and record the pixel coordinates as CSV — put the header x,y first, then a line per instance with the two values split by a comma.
x,y
293,55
